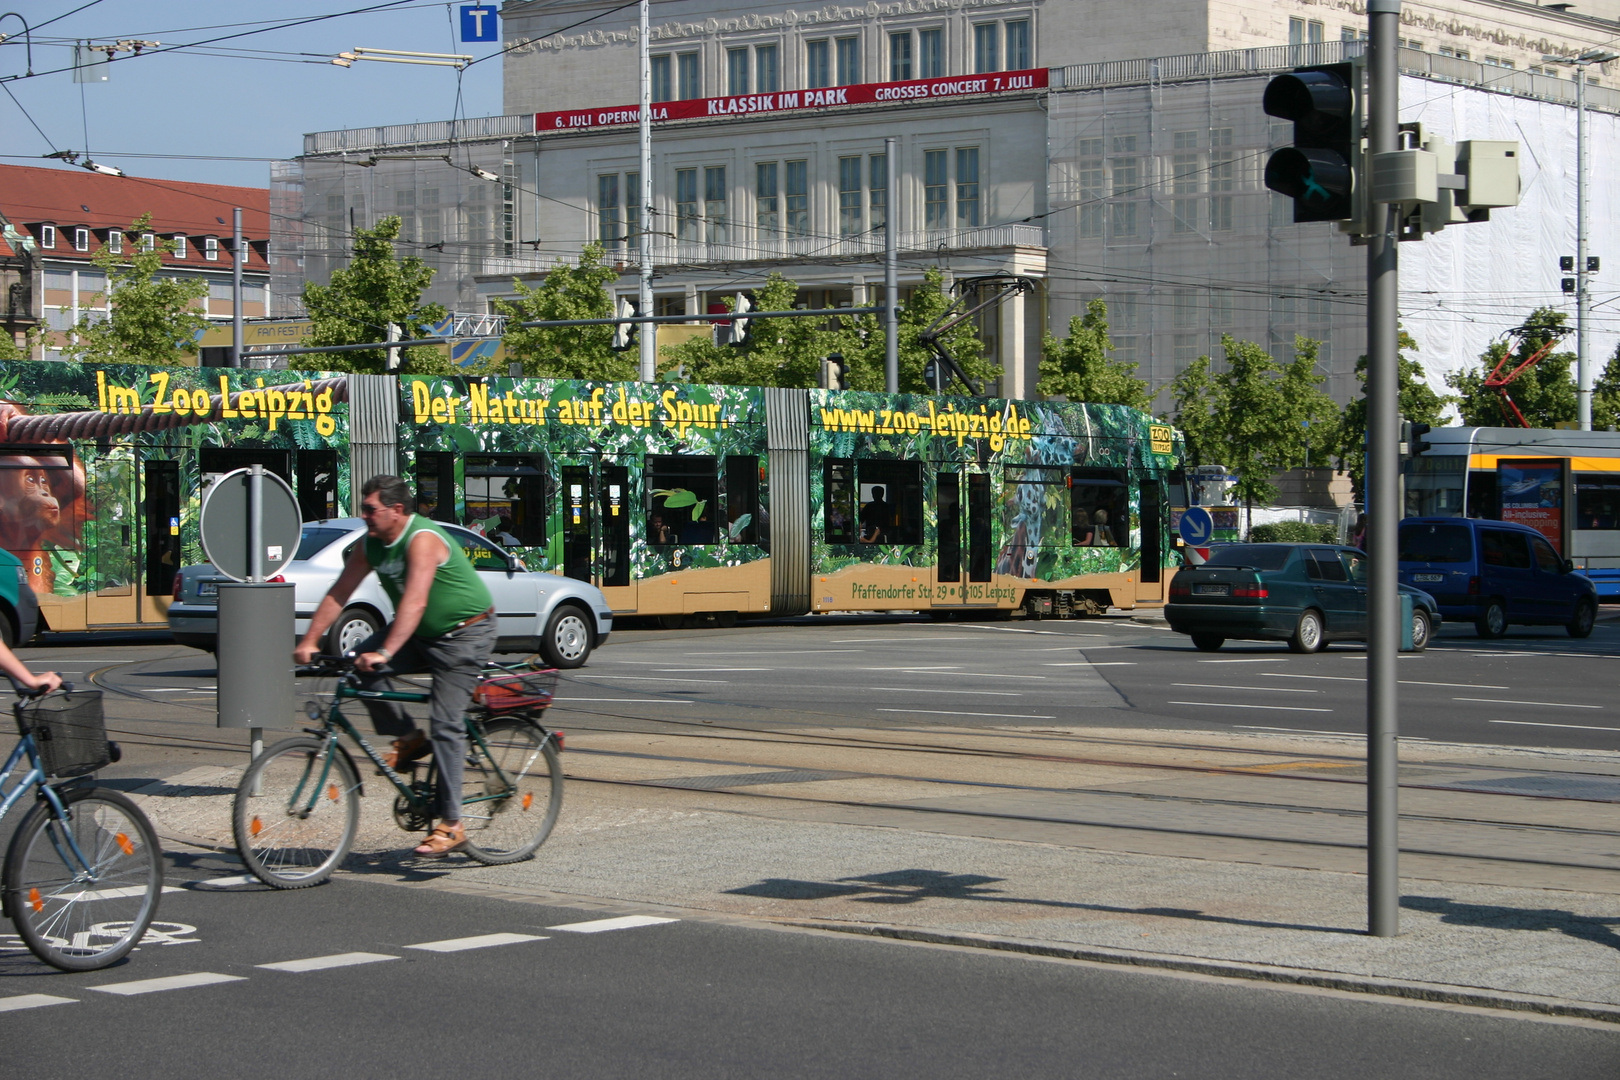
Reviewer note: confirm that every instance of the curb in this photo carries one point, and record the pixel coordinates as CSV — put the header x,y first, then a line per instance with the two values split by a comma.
x,y
1437,993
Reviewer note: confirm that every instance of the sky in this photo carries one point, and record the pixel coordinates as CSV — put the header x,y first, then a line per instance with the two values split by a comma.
x,y
213,113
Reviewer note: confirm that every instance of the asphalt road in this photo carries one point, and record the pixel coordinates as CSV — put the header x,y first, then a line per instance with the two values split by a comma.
x,y
365,979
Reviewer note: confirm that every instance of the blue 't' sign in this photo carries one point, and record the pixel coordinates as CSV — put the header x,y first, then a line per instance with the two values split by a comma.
x,y
478,23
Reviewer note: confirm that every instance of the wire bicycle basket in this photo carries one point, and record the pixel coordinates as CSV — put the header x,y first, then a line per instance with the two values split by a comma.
x,y
508,691
70,731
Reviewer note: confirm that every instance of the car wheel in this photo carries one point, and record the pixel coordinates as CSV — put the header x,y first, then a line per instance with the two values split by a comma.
x,y
1585,618
1492,622
1421,628
567,641
1308,633
352,628
1207,642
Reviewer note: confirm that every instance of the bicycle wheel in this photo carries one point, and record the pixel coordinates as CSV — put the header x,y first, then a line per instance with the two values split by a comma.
x,y
295,813
83,888
508,818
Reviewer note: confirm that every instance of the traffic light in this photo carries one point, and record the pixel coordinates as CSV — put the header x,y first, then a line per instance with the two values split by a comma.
x,y
624,334
1416,443
1320,171
735,332
835,372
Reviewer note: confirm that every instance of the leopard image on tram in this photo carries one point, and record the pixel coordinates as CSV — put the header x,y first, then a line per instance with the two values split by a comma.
x,y
683,502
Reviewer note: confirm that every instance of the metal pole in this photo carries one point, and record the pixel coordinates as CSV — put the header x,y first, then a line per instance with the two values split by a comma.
x,y
648,336
1583,298
1383,486
891,286
256,523
236,287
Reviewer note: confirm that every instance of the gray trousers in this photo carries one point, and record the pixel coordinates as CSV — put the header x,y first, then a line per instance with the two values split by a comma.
x,y
454,660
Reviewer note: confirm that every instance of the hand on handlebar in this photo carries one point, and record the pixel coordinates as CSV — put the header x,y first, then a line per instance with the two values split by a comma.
x,y
303,654
43,683
370,661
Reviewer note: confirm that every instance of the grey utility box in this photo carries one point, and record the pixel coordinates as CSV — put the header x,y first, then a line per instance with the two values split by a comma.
x,y
1405,176
255,654
1492,171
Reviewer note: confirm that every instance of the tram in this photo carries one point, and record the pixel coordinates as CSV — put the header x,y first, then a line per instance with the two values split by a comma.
x,y
680,501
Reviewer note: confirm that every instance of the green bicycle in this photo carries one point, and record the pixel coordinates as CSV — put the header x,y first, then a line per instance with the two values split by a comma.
x,y
297,808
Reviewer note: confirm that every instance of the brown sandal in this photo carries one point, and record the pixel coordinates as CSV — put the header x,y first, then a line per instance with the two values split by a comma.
x,y
410,748
443,840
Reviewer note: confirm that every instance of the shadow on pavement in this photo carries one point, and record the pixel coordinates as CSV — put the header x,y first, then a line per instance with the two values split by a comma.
x,y
1600,930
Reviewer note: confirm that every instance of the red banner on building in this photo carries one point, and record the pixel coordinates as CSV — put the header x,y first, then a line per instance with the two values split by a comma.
x,y
791,101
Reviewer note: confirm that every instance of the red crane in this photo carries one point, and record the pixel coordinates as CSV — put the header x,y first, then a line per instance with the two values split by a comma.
x,y
1500,382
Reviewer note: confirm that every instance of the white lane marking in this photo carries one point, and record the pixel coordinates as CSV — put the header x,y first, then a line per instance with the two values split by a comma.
x,y
623,700
1236,705
171,982
974,674
336,960
623,922
1115,663
713,669
753,652
1403,682
1538,704
224,882
33,1001
1246,689
119,894
654,678
1292,730
915,667
1532,723
1266,661
482,941
920,690
944,712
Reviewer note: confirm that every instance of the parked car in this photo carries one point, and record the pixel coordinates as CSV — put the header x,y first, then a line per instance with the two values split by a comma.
x,y
1495,573
1304,594
561,618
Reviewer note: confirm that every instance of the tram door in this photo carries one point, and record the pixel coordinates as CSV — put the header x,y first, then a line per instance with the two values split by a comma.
x,y
980,557
1150,580
596,529
948,554
161,530
113,542
577,507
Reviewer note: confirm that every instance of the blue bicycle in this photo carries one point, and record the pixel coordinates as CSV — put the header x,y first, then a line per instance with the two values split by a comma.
x,y
83,870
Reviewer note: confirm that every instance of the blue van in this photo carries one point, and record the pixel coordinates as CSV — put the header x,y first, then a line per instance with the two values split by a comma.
x,y
1495,573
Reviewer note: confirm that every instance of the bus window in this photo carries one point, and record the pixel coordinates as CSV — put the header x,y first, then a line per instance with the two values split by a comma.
x,y
317,484
890,502
681,504
1597,501
742,500
507,498
1100,508
838,502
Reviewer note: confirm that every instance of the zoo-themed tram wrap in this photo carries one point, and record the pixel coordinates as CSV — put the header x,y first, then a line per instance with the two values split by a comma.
x,y
678,500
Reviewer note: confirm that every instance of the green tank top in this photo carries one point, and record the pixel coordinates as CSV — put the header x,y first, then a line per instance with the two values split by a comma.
x,y
457,592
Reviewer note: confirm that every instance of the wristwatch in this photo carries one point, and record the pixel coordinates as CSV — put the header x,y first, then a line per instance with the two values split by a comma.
x,y
385,654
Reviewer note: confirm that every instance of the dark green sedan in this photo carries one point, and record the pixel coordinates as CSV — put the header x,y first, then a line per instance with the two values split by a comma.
x,y
1304,594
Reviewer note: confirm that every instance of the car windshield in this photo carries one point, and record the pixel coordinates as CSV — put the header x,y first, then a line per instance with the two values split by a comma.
x,y
1254,556
1435,542
315,541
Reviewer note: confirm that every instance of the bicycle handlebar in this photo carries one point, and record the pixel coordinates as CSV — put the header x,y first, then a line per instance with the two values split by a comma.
x,y
38,691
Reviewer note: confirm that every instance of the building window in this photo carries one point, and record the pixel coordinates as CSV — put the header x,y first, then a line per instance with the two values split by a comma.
x,y
115,241
686,205
714,204
878,191
849,61
1301,32
849,196
1222,178
1092,191
1127,177
986,47
1018,55
798,198
47,236
686,70
766,209
1498,61
81,239
405,210
930,54
1220,310
817,65
967,187
1185,307
148,241
211,248
900,56
935,191
767,69
1184,180
607,210
179,245
736,71
632,206
662,83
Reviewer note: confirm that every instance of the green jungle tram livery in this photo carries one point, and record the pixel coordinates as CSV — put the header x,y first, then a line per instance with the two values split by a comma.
x,y
678,500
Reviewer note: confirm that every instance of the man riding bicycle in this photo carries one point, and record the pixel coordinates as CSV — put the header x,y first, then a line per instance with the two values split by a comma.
x,y
444,624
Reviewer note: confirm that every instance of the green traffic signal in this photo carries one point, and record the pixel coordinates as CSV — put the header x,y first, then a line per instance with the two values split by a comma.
x,y
1318,171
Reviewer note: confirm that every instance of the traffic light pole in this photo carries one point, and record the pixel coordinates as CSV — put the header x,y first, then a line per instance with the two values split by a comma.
x,y
1383,484
649,339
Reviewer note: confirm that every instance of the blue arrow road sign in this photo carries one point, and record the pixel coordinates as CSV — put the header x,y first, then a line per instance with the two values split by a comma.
x,y
478,23
1197,526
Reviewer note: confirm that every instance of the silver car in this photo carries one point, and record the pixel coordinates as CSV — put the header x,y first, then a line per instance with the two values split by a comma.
x,y
558,617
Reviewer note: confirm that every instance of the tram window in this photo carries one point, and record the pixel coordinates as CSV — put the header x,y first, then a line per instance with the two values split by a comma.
x,y
1100,508
507,498
742,500
891,502
1482,501
1177,493
681,504
215,462
1597,501
436,485
40,511
838,502
317,484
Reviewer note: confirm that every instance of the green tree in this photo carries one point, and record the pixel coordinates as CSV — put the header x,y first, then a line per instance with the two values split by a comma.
x,y
1418,401
1545,393
1256,417
774,352
569,291
377,289
153,319
1606,396
861,340
1079,367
